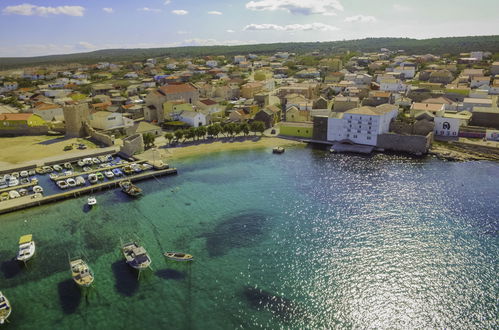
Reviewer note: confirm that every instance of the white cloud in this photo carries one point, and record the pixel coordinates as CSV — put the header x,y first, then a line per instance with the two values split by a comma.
x,y
304,7
183,32
230,31
152,10
360,18
167,2
291,27
180,12
108,10
214,12
33,10
401,8
87,45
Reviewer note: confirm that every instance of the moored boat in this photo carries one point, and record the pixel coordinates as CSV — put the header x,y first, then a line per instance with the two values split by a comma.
x,y
24,174
81,272
4,196
57,168
178,256
62,184
71,182
95,160
37,189
53,176
14,194
136,256
92,177
128,169
129,188
278,150
80,180
109,174
26,248
117,172
23,192
91,201
87,168
13,182
5,308
68,166
81,163
47,169
99,175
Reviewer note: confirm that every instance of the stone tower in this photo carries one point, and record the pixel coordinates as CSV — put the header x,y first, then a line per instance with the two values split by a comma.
x,y
75,116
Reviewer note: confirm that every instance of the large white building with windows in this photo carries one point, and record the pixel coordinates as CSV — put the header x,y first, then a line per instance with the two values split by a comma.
x,y
361,125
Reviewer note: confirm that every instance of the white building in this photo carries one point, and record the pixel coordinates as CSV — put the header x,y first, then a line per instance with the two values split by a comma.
x,y
392,85
106,120
239,59
10,85
492,135
361,125
192,118
447,126
478,55
212,63
408,71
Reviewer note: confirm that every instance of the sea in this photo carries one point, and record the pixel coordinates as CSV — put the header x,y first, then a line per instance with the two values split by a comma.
x,y
300,240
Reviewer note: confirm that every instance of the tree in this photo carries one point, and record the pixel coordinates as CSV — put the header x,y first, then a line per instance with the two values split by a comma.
x,y
201,131
190,133
245,129
148,140
257,126
216,129
169,136
179,134
260,75
237,129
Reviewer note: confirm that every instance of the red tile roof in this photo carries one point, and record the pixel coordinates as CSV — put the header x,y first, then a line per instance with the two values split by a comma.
x,y
15,116
208,102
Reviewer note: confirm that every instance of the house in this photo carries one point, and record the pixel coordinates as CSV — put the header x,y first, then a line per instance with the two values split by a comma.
x,y
494,68
377,98
249,90
22,124
294,114
343,103
49,111
470,103
298,101
441,77
237,116
392,85
408,72
435,109
269,115
361,125
192,118
239,58
106,120
155,99
212,63
472,73
479,81
10,85
485,117
445,126
303,130
144,127
173,108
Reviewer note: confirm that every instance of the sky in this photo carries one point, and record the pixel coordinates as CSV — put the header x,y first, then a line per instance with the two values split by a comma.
x,y
45,27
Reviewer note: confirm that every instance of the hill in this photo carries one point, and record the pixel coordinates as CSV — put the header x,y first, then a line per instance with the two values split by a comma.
x,y
437,46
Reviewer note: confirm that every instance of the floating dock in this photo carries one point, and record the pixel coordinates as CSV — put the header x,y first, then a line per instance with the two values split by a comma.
x,y
38,199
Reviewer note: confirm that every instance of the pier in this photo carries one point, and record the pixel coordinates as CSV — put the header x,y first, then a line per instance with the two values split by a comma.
x,y
38,199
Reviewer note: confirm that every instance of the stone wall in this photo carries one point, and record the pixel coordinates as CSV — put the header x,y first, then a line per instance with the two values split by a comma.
x,y
320,128
38,130
420,127
485,119
134,144
413,144
101,137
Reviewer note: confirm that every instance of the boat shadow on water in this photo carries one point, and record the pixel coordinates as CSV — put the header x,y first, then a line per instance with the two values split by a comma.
x,y
170,274
127,282
11,268
69,296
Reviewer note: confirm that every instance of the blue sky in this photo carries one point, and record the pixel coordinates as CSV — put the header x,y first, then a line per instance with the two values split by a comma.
x,y
41,27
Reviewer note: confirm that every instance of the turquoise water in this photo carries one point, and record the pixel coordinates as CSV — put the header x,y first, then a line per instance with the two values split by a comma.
x,y
299,240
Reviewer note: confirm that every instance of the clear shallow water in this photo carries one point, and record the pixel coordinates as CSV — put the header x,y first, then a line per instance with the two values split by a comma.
x,y
300,240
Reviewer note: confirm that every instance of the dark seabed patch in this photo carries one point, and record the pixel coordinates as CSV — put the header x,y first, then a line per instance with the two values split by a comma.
x,y
127,282
236,231
284,308
69,296
170,274
10,267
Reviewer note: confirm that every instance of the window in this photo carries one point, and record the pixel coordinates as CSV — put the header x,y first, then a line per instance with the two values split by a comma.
x,y
369,138
355,136
348,135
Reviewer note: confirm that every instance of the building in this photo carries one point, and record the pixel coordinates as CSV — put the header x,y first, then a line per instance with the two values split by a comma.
x,y
154,100
392,85
435,109
303,130
49,111
239,58
249,90
361,125
12,124
192,118
269,115
494,68
294,114
448,127
343,103
485,117
75,116
470,103
106,120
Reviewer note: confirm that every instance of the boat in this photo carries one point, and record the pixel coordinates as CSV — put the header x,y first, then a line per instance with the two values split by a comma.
x,y
87,168
87,161
4,196
278,150
136,256
91,201
136,168
39,170
14,194
53,176
62,184
99,175
117,172
80,180
146,166
47,169
3,184
24,174
80,163
71,182
109,174
31,172
92,177
5,308
81,273
13,182
23,192
68,173
129,188
177,256
95,160
57,168
26,248
68,166
37,189
15,175
128,169
24,181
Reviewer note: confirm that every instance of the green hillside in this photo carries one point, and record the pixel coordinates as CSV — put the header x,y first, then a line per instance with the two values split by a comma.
x,y
451,45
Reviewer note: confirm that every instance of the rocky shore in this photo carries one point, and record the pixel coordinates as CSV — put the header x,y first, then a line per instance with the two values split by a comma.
x,y
453,152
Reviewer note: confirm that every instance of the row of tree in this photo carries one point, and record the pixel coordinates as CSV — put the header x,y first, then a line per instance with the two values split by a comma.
x,y
228,130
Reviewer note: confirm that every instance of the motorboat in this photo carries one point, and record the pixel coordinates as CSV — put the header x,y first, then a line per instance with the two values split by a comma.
x,y
68,166
146,166
81,272
62,184
80,163
92,178
136,256
109,174
40,170
26,248
13,182
34,180
136,168
5,308
53,176
71,182
31,172
87,161
100,176
68,173
57,168
24,174
91,201
177,256
117,172
95,160
47,169
129,188
128,169
23,192
15,175
37,189
80,181
278,150
102,159
14,194
4,196
24,181
87,168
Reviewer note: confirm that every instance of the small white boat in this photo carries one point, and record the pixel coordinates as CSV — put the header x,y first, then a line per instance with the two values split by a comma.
x,y
57,168
24,174
23,192
47,169
81,163
34,180
146,166
26,248
62,184
81,273
31,172
53,176
13,182
109,174
92,177
68,173
24,181
136,256
95,160
87,161
80,180
68,166
87,168
71,182
37,189
14,194
91,201
278,150
15,175
5,308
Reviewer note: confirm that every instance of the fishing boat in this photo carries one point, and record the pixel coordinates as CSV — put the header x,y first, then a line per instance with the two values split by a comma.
x,y
117,172
92,178
129,188
31,172
91,201
4,196
95,160
26,248
68,166
23,192
109,174
71,182
62,184
5,308
53,176
13,182
80,180
87,168
136,256
177,256
80,163
81,272
24,174
14,194
128,170
278,150
37,189
99,175
57,168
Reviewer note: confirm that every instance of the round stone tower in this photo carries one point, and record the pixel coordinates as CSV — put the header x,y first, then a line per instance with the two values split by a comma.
x,y
74,117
